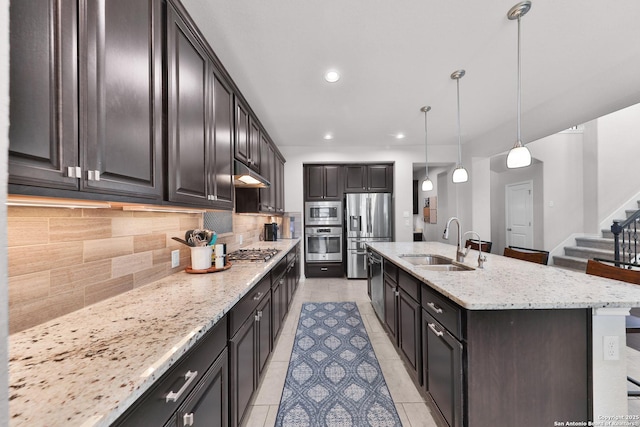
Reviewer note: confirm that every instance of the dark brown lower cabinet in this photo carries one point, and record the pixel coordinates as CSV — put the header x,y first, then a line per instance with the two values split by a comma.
x,y
207,404
249,350
278,305
442,370
390,308
409,314
243,354
199,376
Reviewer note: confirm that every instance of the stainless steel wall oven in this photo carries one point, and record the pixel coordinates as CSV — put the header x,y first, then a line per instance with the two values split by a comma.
x,y
323,244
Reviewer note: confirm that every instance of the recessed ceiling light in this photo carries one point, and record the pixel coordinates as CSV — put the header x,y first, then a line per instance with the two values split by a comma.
x,y
328,136
400,135
332,76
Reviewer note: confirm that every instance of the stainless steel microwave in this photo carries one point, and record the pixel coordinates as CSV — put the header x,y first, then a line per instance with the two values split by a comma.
x,y
322,213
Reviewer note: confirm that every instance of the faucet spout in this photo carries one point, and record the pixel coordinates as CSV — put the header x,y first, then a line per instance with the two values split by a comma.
x,y
459,254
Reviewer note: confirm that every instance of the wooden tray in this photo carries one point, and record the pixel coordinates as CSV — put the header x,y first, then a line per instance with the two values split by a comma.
x,y
208,270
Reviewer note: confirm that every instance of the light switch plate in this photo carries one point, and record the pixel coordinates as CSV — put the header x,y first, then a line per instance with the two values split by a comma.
x,y
175,258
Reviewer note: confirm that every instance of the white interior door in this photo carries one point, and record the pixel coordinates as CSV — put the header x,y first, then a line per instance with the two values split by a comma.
x,y
519,215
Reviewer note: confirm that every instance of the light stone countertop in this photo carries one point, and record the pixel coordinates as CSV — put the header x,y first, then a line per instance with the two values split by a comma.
x,y
507,283
87,367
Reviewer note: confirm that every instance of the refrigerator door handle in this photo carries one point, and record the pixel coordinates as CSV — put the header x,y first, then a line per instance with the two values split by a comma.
x,y
369,227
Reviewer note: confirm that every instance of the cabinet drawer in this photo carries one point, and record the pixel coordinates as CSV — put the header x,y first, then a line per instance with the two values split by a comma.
x,y
247,305
324,270
153,408
409,284
390,269
443,310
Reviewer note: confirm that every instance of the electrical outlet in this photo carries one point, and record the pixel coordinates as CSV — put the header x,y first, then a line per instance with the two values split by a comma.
x,y
175,258
611,348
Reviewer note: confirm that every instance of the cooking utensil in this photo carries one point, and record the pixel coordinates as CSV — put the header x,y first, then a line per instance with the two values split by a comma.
x,y
184,242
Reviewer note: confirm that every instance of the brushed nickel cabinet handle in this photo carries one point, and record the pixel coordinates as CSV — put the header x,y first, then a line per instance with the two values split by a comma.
x,y
189,377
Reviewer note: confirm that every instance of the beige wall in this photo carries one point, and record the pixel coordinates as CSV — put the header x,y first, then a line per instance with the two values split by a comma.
x,y
60,260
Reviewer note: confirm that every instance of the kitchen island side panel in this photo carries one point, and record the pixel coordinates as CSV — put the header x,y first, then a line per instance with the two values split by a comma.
x,y
528,368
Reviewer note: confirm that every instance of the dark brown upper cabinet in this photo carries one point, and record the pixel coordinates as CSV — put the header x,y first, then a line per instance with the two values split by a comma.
x,y
247,148
121,96
267,170
86,90
323,182
43,136
279,191
200,121
368,178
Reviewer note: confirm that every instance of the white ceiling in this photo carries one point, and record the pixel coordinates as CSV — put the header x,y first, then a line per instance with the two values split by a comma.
x,y
580,60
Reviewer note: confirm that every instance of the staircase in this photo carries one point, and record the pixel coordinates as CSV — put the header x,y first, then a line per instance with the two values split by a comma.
x,y
575,257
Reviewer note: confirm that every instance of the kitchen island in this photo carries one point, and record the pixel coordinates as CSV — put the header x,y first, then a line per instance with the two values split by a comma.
x,y
88,367
520,343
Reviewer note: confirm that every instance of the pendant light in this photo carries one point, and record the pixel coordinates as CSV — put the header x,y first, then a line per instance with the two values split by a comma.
x,y
460,174
427,185
519,156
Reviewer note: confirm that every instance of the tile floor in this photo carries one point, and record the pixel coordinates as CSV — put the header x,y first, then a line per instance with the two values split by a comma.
x,y
411,408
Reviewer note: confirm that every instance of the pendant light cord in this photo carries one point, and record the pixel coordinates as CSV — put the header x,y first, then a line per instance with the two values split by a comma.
x,y
519,142
459,143
426,163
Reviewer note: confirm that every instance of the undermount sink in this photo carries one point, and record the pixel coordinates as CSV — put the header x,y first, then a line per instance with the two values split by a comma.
x,y
426,259
445,267
434,262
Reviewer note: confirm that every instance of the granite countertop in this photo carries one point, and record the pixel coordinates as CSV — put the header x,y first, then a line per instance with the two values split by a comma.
x,y
507,283
86,368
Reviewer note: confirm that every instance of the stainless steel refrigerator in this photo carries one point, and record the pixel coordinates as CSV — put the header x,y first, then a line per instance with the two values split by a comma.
x,y
368,220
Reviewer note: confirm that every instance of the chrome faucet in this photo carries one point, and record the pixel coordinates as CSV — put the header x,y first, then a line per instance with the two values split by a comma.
x,y
459,254
481,259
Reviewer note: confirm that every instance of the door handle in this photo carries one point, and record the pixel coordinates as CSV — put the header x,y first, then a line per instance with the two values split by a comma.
x,y
187,419
189,377
435,331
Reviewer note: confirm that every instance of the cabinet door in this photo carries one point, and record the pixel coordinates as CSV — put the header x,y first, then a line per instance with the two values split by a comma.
x,y
242,133
314,182
43,136
243,379
187,112
442,366
254,144
263,333
390,308
355,180
221,175
332,182
267,163
121,138
207,404
380,178
279,193
277,307
409,314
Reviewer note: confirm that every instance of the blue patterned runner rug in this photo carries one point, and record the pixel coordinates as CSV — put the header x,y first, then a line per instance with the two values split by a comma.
x,y
334,378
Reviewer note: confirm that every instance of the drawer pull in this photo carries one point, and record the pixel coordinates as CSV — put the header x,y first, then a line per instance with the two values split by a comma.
x,y
434,307
187,419
435,331
189,377
257,296
324,268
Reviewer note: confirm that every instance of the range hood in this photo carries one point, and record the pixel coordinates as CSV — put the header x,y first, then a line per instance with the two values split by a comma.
x,y
246,178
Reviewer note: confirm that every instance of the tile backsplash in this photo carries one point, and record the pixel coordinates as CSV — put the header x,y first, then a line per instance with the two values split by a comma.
x,y
61,260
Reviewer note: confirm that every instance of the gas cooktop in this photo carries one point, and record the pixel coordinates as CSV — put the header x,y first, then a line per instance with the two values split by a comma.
x,y
255,255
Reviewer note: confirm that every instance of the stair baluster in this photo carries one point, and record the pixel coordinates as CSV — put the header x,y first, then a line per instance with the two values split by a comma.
x,y
629,244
